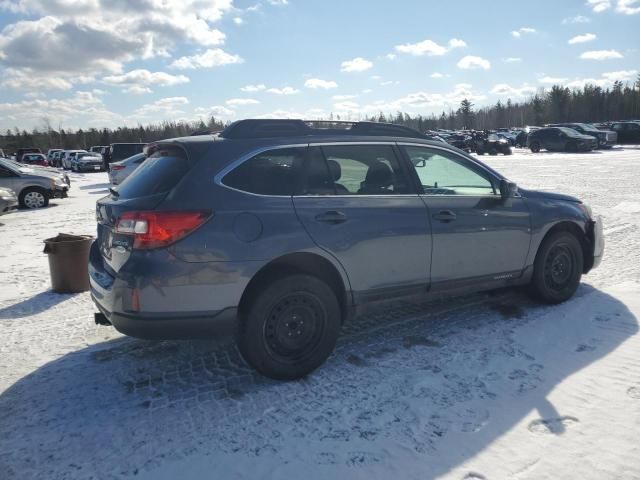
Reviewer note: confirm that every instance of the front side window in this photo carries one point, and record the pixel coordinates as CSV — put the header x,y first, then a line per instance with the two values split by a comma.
x,y
444,173
365,170
273,172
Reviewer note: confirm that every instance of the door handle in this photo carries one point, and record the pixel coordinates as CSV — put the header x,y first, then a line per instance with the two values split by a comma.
x,y
332,217
445,216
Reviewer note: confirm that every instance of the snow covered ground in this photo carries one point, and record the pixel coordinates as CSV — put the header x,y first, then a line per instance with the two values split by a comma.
x,y
490,386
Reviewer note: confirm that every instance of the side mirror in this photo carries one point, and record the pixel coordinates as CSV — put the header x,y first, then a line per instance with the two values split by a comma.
x,y
508,189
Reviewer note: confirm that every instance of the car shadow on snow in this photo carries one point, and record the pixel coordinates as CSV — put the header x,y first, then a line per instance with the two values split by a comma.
x,y
437,382
95,186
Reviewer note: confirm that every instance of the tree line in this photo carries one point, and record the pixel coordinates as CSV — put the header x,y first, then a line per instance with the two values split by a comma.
x,y
592,103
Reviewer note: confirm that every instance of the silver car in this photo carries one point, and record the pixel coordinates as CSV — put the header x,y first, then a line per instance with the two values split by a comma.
x,y
33,189
68,157
8,200
118,171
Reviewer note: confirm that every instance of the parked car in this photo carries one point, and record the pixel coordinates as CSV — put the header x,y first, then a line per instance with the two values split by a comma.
x,y
83,162
605,138
628,132
49,171
50,154
34,189
22,151
8,200
56,159
98,149
118,171
68,157
560,139
285,231
490,143
120,151
34,159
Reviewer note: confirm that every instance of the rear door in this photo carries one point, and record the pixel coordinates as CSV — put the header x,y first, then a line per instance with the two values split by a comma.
x,y
477,235
358,204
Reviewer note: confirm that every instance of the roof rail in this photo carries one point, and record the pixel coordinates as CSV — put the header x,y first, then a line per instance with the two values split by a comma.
x,y
258,128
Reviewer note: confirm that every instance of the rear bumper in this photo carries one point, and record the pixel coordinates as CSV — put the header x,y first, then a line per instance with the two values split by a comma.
x,y
90,167
59,192
144,307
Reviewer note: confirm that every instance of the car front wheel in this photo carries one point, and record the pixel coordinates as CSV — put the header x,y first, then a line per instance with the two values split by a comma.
x,y
290,327
33,198
557,268
535,147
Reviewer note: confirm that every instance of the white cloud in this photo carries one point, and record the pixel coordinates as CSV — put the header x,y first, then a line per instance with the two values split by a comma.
x,y
253,88
473,63
238,20
628,7
576,19
97,37
283,91
346,106
601,55
512,60
429,47
599,5
518,33
504,89
137,90
236,102
213,57
279,3
552,80
139,81
606,79
319,83
83,109
358,64
390,56
340,98
437,75
163,108
587,37
215,111
621,75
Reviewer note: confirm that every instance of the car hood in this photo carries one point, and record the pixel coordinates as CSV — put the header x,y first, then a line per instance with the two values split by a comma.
x,y
583,137
548,195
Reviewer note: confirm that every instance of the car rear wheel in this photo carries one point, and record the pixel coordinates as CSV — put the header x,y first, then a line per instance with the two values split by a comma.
x,y
33,198
535,147
558,268
290,327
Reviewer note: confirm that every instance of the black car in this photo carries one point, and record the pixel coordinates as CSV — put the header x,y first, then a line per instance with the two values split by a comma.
x,y
628,132
560,139
491,143
282,230
605,138
119,151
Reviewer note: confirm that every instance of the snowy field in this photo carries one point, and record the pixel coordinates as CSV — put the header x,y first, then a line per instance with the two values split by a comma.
x,y
490,386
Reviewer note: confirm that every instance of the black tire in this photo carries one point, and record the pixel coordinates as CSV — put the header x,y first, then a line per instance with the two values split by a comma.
x,y
273,337
535,147
33,197
507,151
479,151
557,268
493,151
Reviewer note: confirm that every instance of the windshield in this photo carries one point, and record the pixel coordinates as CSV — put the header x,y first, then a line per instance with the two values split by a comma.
x,y
569,131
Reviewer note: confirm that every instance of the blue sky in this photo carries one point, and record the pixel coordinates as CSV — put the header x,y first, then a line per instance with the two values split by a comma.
x,y
94,63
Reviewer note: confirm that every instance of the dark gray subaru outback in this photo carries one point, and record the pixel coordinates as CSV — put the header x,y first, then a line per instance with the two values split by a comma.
x,y
281,230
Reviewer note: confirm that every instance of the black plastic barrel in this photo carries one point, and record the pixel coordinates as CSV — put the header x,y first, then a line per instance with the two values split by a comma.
x,y
68,262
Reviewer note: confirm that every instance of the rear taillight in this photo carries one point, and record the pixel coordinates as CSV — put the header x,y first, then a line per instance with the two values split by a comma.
x,y
159,229
115,168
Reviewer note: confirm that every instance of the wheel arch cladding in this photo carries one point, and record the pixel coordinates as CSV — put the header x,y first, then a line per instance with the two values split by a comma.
x,y
299,263
578,232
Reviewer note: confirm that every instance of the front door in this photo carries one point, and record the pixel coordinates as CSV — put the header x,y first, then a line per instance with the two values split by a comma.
x,y
477,235
357,203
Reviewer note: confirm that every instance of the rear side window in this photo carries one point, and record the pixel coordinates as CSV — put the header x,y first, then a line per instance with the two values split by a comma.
x,y
274,172
158,174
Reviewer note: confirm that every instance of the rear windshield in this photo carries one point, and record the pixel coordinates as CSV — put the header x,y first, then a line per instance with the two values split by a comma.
x,y
123,150
157,174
